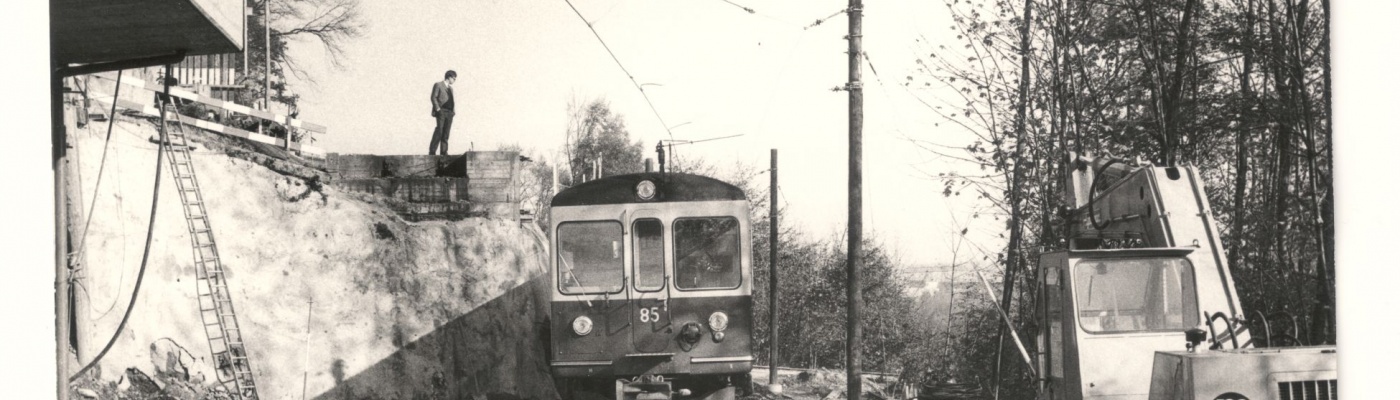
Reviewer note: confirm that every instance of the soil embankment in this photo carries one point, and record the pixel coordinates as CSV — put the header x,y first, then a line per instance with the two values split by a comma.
x,y
337,296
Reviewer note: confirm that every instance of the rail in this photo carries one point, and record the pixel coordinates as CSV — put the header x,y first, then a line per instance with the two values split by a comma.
x,y
291,124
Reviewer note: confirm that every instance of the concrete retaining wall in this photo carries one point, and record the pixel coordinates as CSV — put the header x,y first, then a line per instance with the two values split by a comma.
x,y
338,298
481,178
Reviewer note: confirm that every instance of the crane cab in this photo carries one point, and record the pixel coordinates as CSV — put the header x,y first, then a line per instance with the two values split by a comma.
x,y
1145,264
1104,313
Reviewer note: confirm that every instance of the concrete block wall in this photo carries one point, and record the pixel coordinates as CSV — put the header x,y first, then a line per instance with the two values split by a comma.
x,y
433,187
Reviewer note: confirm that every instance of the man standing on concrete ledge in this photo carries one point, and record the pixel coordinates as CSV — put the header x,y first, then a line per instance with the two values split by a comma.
x,y
443,109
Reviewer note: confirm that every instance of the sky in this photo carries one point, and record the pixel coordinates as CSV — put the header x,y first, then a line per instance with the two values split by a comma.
x,y
710,68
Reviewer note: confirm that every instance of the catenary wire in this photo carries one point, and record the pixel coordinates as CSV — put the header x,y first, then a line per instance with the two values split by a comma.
x,y
624,69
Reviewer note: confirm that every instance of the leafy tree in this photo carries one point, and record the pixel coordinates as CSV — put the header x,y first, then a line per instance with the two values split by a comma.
x,y
1238,88
597,134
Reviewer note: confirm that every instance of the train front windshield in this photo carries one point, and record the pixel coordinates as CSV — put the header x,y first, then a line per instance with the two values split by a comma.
x,y
1135,295
590,257
707,253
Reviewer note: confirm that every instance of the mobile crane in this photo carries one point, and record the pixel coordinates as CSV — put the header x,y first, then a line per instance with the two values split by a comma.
x,y
1143,265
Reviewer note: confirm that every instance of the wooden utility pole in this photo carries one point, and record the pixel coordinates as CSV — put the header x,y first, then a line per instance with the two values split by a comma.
x,y
772,268
854,204
244,71
1328,258
267,56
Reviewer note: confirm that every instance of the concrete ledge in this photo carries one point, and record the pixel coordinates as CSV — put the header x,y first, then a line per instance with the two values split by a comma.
x,y
475,184
418,190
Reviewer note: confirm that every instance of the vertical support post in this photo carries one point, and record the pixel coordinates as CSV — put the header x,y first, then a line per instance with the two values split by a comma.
x,y
267,54
73,220
244,71
773,269
854,204
59,138
306,351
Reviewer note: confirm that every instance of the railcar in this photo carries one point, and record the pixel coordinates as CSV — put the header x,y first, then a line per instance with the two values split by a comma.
x,y
651,288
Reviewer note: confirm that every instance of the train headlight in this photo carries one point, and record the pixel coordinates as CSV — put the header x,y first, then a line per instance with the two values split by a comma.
x,y
719,321
646,190
583,325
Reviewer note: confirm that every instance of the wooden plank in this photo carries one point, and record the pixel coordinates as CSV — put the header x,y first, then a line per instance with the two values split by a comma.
x,y
224,104
210,126
208,70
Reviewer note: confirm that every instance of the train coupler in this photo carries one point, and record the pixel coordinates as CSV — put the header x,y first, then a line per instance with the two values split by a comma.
x,y
647,387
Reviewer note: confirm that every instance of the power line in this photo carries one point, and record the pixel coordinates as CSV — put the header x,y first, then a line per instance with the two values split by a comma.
x,y
624,69
833,15
885,91
750,10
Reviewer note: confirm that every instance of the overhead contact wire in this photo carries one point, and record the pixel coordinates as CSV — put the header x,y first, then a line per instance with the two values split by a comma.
x,y
750,10
624,69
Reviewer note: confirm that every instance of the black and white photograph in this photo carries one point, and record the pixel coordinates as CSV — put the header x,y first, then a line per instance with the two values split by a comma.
x,y
700,199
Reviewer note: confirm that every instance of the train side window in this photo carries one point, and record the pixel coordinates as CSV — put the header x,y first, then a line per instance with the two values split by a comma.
x,y
1135,295
590,257
648,254
707,253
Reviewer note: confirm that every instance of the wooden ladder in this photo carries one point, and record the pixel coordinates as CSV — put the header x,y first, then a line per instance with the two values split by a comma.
x,y
215,302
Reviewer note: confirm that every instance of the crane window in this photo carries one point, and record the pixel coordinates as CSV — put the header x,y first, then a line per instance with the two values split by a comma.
x,y
649,257
590,257
707,253
1135,295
